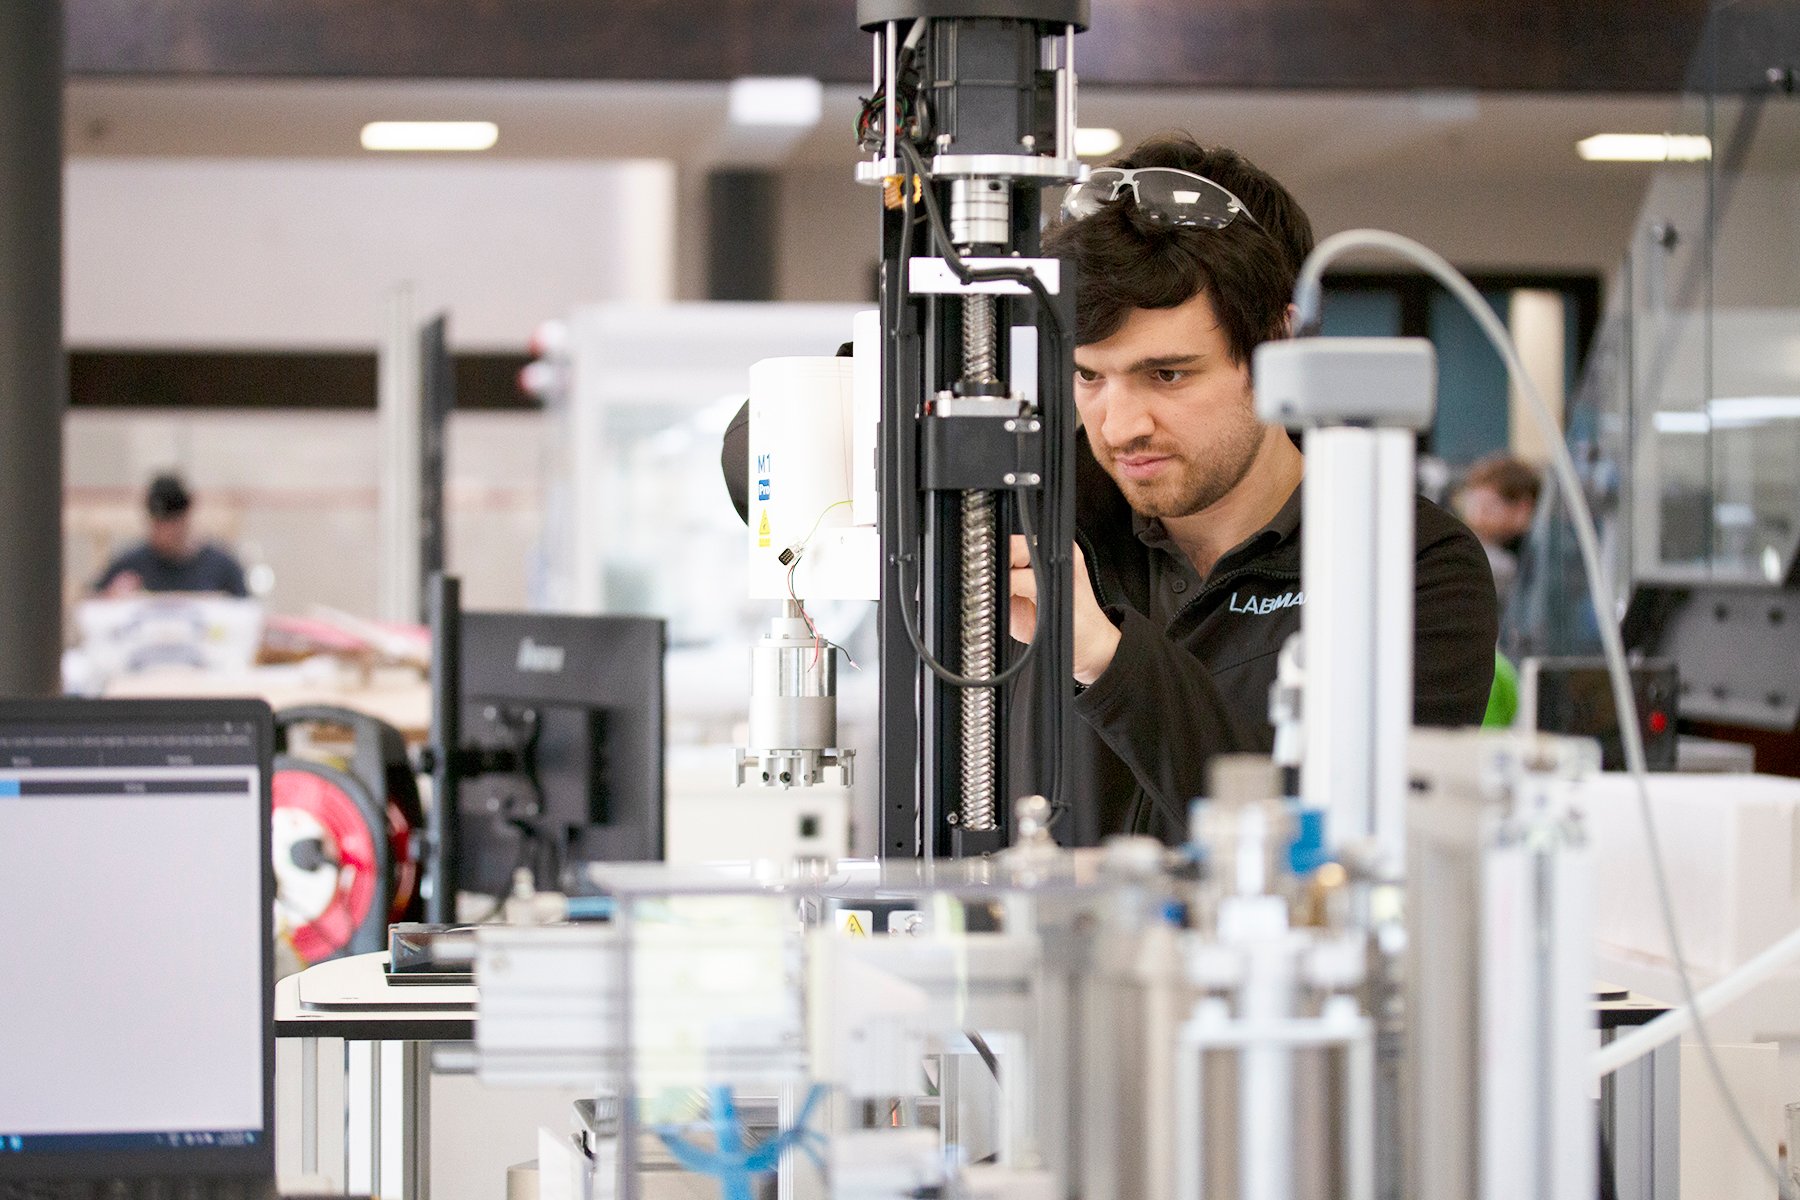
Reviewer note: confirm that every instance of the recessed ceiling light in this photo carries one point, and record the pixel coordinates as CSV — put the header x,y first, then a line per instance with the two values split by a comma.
x,y
1682,422
1645,147
1730,412
429,135
1753,410
1092,143
783,101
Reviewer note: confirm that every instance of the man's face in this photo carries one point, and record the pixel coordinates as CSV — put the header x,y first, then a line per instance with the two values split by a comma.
x,y
169,536
1493,518
1168,413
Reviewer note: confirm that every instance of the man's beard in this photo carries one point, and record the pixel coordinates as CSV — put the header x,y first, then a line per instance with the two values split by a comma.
x,y
1188,486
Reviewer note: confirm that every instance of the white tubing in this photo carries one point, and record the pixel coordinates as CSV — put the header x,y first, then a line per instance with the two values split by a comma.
x,y
1678,1021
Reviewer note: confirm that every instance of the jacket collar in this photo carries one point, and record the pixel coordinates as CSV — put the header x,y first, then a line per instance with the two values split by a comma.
x,y
1105,519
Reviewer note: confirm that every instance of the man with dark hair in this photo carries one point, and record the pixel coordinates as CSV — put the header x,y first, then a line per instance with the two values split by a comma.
x,y
1498,500
169,559
1188,507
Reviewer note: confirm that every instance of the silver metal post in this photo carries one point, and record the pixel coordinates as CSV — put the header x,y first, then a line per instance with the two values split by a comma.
x,y
309,1106
400,413
1066,117
1357,625
415,1182
890,105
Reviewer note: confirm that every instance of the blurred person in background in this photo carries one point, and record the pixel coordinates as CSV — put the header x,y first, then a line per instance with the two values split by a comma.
x,y
1497,501
169,559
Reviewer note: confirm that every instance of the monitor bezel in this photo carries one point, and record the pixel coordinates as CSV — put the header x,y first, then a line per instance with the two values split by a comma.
x,y
140,1161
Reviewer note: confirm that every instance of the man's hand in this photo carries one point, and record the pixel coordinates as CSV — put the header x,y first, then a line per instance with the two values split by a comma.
x,y
1096,638
125,583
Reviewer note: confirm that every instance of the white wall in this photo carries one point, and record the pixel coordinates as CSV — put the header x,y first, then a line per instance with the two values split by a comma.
x,y
829,233
175,253
270,253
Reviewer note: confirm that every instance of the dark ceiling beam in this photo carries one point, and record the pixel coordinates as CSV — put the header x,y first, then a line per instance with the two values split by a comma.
x,y
1519,45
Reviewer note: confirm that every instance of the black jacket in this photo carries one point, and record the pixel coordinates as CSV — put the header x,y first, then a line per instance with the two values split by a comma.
x,y
1178,692
209,569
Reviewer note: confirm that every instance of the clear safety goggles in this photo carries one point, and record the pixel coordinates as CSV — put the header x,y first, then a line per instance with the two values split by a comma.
x,y
1165,195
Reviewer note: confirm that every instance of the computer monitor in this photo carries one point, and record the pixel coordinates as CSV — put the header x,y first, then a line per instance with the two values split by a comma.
x,y
562,723
136,1027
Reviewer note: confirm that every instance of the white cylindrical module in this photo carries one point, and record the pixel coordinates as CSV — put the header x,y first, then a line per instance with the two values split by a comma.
x,y
800,468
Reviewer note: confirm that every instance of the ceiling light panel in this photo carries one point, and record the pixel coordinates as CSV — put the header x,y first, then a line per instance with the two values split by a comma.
x,y
788,102
1645,147
430,135
1092,143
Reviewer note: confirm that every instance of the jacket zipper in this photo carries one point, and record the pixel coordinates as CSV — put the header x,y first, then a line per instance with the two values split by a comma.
x,y
1087,550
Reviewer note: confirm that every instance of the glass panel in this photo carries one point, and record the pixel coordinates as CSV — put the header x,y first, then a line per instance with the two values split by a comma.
x,y
1669,292
1754,401
1686,426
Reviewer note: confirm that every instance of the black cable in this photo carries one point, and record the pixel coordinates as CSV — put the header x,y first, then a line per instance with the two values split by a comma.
x,y
1000,678
531,848
986,1052
1609,1168
1054,408
1050,413
1053,757
1050,407
962,270
910,542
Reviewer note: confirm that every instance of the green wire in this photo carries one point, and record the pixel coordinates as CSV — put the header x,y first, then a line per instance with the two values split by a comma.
x,y
803,542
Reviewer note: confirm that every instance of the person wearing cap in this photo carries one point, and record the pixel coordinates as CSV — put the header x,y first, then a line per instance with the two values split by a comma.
x,y
1187,578
170,559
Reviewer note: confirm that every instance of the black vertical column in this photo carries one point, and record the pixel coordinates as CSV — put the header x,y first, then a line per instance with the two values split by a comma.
x,y
740,236
443,838
437,400
32,383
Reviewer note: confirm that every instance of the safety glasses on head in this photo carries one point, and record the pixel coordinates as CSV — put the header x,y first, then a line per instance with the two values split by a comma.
x,y
1165,195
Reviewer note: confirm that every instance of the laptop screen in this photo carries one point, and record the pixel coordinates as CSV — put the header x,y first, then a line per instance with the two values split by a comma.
x,y
134,934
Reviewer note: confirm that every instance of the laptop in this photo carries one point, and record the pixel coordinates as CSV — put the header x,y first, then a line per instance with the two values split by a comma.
x,y
137,1042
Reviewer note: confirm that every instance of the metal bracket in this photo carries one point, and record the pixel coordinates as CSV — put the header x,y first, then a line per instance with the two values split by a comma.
x,y
963,454
1017,166
933,276
949,404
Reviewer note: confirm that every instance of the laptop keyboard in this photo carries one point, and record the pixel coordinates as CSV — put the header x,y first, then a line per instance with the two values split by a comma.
x,y
135,1189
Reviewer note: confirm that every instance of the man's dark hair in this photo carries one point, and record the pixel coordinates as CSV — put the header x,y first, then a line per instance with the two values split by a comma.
x,y
1509,478
1123,261
167,497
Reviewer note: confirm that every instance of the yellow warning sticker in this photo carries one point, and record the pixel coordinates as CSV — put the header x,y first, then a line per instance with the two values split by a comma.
x,y
762,529
856,921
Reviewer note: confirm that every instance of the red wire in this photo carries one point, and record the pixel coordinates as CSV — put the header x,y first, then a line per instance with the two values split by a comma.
x,y
818,649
